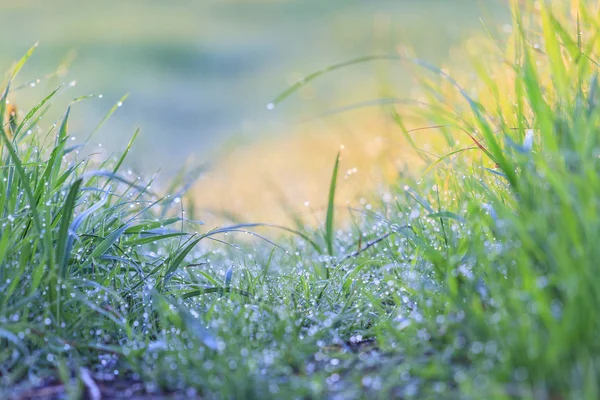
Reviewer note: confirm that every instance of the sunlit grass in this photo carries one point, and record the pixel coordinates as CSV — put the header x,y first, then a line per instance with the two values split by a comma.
x,y
474,277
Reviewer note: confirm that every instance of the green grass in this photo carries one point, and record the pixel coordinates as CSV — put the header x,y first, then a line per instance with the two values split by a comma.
x,y
479,280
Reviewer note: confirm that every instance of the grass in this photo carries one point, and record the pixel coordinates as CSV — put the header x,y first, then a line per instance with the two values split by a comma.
x,y
475,281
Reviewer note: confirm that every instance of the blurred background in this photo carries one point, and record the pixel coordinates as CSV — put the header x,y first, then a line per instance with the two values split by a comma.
x,y
201,72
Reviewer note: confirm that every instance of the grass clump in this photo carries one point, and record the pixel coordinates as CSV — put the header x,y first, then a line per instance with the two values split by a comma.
x,y
476,281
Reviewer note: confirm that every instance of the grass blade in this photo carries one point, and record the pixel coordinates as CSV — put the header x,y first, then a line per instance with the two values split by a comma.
x,y
33,111
331,207
62,257
106,117
19,168
106,243
294,88
127,149
22,62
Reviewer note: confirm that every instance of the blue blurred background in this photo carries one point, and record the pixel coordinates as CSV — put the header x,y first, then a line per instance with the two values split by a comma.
x,y
200,72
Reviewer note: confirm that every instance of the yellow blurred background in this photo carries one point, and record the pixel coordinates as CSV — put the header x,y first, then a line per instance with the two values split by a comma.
x,y
200,74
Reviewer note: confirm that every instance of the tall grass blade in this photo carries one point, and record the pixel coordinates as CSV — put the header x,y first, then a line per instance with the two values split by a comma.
x,y
329,220
106,117
22,62
106,244
32,112
20,170
126,152
62,257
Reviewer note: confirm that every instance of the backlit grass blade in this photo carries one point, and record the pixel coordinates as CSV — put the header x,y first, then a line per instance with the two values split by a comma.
x,y
329,220
126,152
445,157
22,62
295,87
106,117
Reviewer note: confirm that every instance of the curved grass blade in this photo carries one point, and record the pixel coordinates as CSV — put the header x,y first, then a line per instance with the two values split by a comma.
x,y
495,149
444,157
177,260
295,87
116,177
365,104
77,221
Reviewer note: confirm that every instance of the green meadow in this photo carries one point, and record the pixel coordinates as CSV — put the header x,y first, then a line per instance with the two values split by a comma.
x,y
471,275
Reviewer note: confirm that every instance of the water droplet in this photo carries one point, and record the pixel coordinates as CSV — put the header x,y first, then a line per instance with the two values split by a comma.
x,y
270,106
